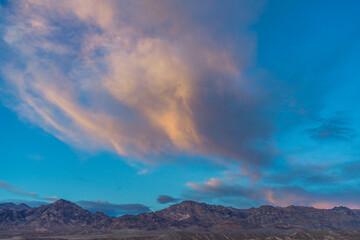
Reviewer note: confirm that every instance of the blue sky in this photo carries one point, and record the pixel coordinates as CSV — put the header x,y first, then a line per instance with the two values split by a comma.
x,y
241,103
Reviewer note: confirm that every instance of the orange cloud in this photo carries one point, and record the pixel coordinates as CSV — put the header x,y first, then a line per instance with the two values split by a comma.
x,y
148,73
330,205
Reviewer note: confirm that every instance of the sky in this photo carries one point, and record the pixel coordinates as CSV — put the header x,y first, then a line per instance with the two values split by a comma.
x,y
131,106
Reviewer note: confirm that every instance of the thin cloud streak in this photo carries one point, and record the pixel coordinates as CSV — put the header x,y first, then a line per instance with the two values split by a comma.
x,y
113,209
8,187
337,128
164,199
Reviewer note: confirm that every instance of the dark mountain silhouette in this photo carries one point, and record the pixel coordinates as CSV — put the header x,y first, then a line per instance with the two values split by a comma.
x,y
59,215
187,216
195,216
13,206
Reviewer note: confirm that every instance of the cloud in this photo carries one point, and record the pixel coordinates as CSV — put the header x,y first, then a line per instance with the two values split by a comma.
x,y
336,129
113,209
309,174
142,172
163,199
286,196
152,80
146,78
36,157
52,199
240,195
320,186
8,187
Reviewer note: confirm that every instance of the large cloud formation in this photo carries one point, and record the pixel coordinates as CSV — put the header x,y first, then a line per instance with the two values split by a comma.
x,y
152,80
141,78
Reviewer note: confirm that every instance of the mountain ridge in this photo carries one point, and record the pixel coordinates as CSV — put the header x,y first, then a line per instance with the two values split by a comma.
x,y
13,206
184,216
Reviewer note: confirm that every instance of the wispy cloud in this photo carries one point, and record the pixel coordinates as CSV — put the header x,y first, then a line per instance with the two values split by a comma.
x,y
241,195
285,196
151,80
141,78
164,199
321,186
113,209
142,172
244,196
337,128
52,199
8,187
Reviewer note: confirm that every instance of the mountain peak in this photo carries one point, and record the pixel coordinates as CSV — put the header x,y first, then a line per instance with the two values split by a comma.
x,y
341,208
8,205
63,202
23,205
188,205
60,215
13,206
192,212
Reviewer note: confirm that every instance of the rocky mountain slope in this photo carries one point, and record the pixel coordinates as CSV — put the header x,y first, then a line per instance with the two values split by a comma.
x,y
187,216
195,216
60,215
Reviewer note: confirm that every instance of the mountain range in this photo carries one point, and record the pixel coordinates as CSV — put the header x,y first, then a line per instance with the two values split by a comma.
x,y
187,216
13,206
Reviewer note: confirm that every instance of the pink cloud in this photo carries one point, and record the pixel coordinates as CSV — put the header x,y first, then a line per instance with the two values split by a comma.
x,y
159,86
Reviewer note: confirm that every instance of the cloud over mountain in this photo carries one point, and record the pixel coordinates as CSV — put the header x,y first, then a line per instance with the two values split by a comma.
x,y
163,199
206,84
113,209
